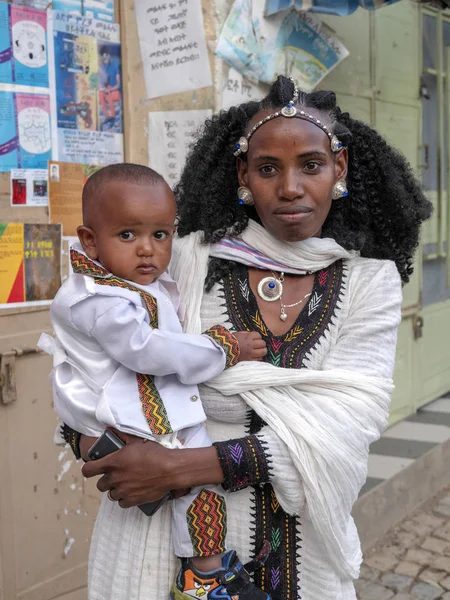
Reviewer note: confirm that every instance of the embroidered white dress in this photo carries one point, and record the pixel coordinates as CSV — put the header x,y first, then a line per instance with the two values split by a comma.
x,y
349,323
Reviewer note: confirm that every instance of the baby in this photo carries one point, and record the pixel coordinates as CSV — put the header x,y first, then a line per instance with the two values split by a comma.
x,y
122,360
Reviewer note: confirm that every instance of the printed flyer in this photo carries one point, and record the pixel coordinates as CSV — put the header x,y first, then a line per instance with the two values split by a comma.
x,y
66,181
23,46
103,10
29,187
30,264
331,7
293,44
25,134
85,71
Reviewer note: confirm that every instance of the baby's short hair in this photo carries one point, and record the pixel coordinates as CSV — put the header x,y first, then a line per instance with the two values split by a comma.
x,y
128,172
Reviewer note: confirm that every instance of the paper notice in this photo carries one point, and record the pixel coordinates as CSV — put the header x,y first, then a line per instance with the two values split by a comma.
x,y
29,187
237,90
173,46
169,136
66,181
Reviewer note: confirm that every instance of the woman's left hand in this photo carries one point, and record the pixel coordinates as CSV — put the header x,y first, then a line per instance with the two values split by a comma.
x,y
135,474
142,472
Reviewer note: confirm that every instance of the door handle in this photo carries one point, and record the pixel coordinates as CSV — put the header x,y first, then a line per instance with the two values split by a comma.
x,y
8,389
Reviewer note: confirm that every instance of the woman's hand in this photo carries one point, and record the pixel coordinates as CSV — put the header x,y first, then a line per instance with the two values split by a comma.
x,y
86,442
145,471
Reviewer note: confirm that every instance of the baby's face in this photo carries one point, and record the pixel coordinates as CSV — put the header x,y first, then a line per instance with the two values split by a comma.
x,y
135,229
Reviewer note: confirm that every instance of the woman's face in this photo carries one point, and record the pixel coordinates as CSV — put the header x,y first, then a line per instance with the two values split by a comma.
x,y
291,171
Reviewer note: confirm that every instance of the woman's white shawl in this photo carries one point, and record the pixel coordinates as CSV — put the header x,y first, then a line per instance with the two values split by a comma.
x,y
327,419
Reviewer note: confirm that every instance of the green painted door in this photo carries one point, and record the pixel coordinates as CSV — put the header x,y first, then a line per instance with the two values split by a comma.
x,y
379,83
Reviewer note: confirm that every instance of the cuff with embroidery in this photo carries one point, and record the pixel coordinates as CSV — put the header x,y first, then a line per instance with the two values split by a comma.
x,y
227,342
244,462
72,437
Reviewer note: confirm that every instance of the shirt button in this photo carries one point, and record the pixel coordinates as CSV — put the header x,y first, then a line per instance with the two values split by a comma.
x,y
194,398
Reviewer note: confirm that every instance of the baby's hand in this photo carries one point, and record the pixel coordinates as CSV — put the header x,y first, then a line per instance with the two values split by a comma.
x,y
251,345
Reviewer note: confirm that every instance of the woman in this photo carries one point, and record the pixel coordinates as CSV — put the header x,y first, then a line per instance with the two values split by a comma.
x,y
311,253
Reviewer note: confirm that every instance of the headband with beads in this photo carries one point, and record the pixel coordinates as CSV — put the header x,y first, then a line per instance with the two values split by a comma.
x,y
289,111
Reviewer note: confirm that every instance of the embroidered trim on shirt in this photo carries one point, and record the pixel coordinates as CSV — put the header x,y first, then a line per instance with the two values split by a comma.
x,y
207,524
152,405
244,462
227,342
83,265
72,438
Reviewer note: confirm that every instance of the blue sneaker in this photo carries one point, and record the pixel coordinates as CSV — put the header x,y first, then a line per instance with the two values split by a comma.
x,y
231,582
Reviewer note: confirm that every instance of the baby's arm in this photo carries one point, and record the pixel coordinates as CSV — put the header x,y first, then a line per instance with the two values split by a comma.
x,y
251,345
123,331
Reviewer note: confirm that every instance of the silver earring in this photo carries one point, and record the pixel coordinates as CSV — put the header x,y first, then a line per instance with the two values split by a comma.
x,y
245,196
340,190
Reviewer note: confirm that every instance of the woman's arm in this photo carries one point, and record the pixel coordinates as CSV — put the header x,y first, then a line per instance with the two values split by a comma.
x,y
145,471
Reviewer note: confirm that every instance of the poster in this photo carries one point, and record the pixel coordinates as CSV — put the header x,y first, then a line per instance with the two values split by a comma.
x,y
169,137
236,89
40,4
23,46
66,181
331,7
85,70
30,263
173,46
293,44
25,134
103,10
29,187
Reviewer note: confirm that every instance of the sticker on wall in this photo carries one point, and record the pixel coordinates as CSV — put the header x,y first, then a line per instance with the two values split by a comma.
x,y
30,264
29,187
23,46
25,134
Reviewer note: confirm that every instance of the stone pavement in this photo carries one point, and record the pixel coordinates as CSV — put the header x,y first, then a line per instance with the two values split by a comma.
x,y
412,561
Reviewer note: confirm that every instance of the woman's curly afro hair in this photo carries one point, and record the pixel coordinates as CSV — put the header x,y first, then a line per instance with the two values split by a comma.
x,y
381,216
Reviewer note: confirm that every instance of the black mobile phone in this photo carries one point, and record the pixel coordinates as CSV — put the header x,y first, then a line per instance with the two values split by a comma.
x,y
109,442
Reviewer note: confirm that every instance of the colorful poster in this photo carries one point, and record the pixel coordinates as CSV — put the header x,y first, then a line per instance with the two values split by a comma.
x,y
85,67
66,181
29,187
30,263
23,46
293,44
40,4
173,46
331,7
25,134
102,10
170,135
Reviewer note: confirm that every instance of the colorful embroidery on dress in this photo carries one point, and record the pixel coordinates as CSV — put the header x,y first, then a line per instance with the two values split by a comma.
x,y
279,576
243,462
152,404
227,341
206,518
